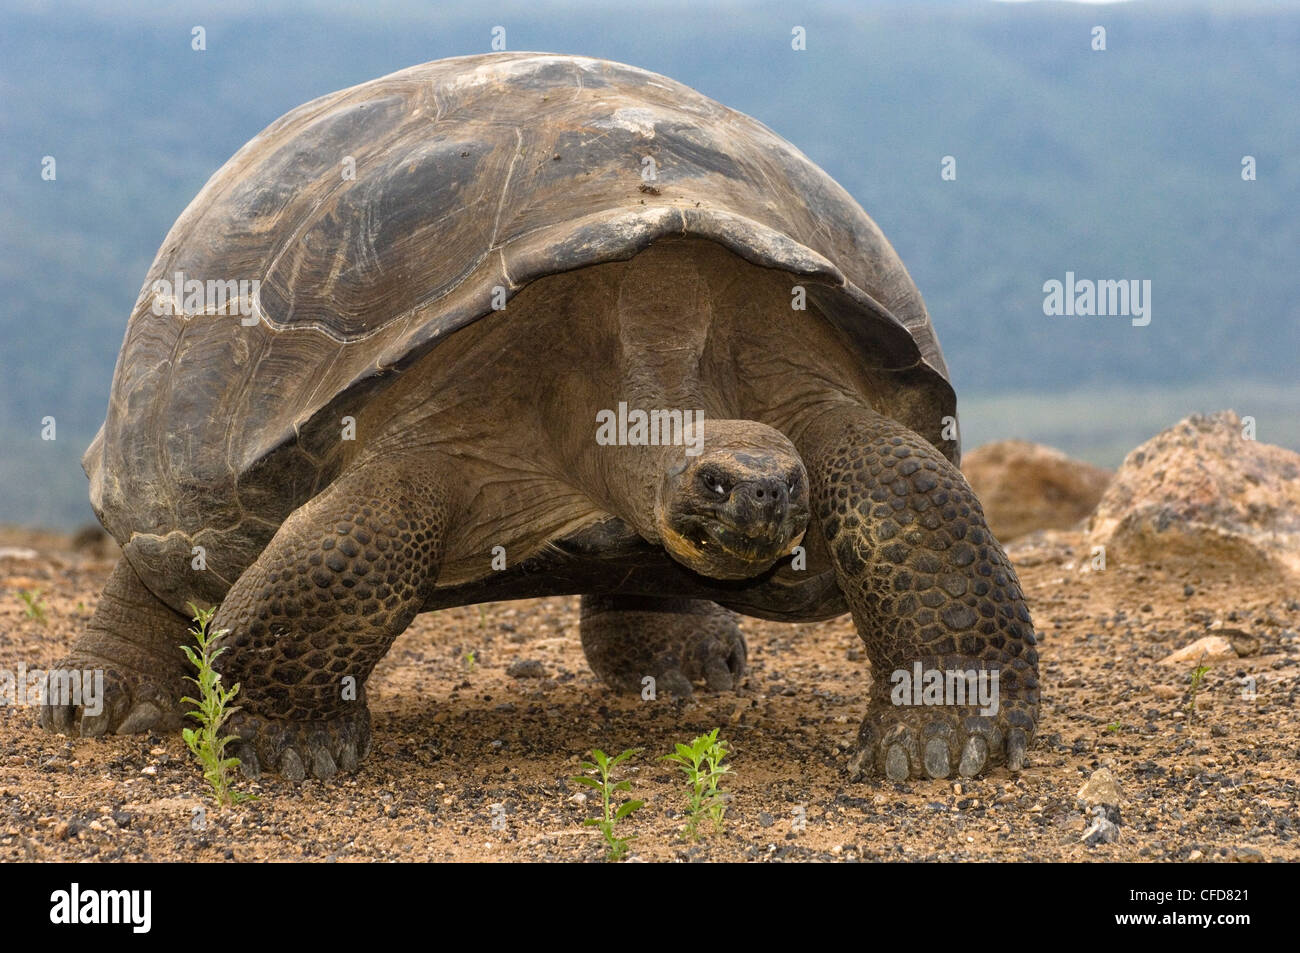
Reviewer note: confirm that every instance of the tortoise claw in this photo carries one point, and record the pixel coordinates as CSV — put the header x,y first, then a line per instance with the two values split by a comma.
x,y
973,757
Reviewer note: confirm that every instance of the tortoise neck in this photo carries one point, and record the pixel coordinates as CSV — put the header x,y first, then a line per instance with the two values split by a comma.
x,y
664,313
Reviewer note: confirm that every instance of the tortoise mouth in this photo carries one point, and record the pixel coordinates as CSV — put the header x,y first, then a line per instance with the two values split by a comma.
x,y
718,548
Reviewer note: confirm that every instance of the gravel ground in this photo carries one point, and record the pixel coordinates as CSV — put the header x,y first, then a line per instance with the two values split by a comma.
x,y
471,759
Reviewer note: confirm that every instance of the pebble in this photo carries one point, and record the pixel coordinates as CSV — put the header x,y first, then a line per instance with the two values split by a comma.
x,y
1205,651
1101,831
526,668
1102,790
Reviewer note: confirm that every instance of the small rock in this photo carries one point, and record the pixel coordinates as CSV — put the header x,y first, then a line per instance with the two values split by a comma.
x,y
1243,643
1101,831
1195,855
1102,792
526,668
1247,855
765,819
150,769
1205,651
19,553
1024,487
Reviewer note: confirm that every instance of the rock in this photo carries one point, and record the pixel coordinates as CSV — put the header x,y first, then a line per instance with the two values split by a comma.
x,y
1207,651
765,819
1102,793
91,540
1101,831
1243,643
1026,486
1247,855
526,668
1202,495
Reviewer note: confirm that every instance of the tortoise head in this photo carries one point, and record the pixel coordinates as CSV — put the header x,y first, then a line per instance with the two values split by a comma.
x,y
736,507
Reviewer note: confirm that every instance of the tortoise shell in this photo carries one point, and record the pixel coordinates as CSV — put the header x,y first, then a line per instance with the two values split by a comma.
x,y
372,223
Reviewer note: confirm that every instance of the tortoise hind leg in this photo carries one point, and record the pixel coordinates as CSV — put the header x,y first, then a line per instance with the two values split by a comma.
x,y
674,641
932,595
309,620
134,639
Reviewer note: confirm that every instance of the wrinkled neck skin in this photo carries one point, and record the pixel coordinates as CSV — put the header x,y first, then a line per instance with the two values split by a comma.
x,y
664,312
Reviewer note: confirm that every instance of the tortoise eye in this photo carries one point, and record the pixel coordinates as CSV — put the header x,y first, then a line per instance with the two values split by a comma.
x,y
715,483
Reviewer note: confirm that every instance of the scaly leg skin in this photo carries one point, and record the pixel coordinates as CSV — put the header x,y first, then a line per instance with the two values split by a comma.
x,y
135,640
926,582
308,621
676,641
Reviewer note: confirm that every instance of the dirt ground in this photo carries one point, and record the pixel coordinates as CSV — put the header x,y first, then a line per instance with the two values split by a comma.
x,y
470,763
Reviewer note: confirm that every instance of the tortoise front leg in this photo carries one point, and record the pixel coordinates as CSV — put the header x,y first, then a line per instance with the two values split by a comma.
x,y
309,620
931,591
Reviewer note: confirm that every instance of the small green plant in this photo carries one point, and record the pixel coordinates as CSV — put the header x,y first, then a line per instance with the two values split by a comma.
x,y
33,605
603,765
701,761
469,660
1198,674
1114,727
212,709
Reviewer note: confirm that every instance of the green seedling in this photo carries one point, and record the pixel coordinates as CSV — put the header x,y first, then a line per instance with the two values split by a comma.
x,y
1114,727
603,765
212,709
701,761
33,605
469,660
1198,674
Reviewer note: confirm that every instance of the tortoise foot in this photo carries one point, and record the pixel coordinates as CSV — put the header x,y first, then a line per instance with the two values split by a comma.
x,y
296,750
899,739
88,696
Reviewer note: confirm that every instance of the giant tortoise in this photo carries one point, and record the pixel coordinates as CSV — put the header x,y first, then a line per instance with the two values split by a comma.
x,y
519,325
